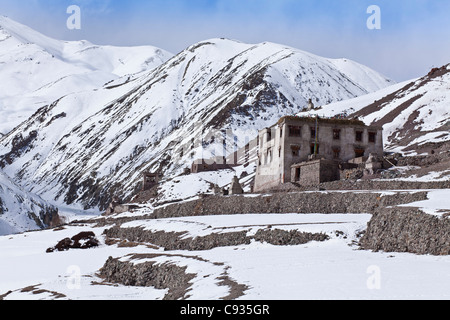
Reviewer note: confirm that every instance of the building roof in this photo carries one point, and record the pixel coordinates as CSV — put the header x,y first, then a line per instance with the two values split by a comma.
x,y
349,122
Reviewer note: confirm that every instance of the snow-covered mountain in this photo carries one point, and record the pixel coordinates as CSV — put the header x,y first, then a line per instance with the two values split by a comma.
x,y
417,114
22,211
208,100
35,70
412,113
93,141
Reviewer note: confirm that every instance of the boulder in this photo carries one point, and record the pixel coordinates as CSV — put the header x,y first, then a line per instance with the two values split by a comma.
x,y
83,240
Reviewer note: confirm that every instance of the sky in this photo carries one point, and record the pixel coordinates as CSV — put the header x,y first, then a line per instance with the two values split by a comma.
x,y
413,36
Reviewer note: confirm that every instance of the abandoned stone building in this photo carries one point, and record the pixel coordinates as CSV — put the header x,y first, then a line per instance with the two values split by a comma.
x,y
206,165
311,150
150,180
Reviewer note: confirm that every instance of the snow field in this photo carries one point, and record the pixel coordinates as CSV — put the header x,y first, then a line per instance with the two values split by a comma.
x,y
334,269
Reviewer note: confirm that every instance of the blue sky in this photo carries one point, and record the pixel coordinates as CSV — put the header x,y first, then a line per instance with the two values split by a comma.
x,y
413,36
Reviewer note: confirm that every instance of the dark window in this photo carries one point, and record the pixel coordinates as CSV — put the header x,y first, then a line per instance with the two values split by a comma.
x,y
297,174
295,131
295,151
336,153
359,136
313,132
336,134
359,153
372,137
269,136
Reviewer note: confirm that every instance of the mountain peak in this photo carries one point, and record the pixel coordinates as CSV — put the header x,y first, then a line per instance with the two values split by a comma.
x,y
26,35
37,70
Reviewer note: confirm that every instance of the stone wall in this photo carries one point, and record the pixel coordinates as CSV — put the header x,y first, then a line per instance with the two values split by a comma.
x,y
315,172
407,230
310,173
295,202
329,171
351,174
364,184
175,241
368,184
149,274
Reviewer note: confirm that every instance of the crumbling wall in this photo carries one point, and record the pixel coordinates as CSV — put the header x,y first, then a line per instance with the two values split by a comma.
x,y
295,202
368,184
407,230
149,274
175,241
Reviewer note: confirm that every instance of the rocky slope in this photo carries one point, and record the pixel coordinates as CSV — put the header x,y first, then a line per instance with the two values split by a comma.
x,y
414,114
208,100
21,211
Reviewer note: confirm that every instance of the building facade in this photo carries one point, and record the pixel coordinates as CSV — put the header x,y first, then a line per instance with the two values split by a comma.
x,y
299,147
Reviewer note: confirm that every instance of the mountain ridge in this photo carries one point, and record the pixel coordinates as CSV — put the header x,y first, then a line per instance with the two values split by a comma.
x,y
413,113
162,119
36,70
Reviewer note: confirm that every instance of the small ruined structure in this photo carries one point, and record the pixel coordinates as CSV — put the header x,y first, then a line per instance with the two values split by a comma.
x,y
373,164
221,191
235,187
150,180
310,105
113,205
116,207
207,165
315,171
312,150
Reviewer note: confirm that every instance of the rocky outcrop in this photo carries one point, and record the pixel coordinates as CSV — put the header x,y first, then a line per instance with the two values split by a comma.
x,y
407,230
23,211
50,217
83,240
